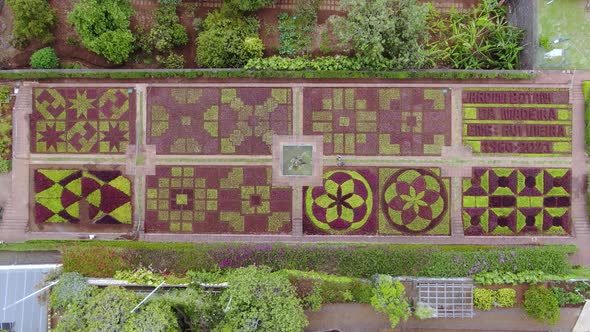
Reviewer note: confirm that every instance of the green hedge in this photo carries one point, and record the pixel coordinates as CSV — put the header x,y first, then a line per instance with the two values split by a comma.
x,y
586,90
262,74
102,259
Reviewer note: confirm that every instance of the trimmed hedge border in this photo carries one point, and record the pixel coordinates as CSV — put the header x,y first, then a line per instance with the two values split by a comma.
x,y
242,73
103,259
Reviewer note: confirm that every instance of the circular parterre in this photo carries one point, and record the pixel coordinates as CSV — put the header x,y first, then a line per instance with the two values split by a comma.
x,y
414,200
344,204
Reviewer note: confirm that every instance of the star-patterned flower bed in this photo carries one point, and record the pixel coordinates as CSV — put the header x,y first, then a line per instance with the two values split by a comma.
x,y
379,121
217,120
410,202
521,201
82,197
85,120
216,199
414,201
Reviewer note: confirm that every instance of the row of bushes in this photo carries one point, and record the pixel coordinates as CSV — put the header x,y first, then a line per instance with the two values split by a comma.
x,y
266,74
104,259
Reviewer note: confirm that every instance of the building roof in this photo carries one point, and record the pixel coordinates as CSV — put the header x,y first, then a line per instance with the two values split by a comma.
x,y
16,282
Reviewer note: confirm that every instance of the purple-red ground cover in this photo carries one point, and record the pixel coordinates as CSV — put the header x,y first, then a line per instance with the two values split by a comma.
x,y
99,197
217,120
410,201
521,201
379,121
85,120
216,199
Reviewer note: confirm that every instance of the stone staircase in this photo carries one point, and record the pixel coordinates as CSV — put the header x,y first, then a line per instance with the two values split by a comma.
x,y
16,212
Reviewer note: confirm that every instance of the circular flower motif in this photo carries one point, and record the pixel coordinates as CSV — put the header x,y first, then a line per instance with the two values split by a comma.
x,y
342,205
414,200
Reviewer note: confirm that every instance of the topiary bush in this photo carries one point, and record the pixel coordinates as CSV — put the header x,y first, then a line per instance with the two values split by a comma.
x,y
541,304
228,40
483,299
44,58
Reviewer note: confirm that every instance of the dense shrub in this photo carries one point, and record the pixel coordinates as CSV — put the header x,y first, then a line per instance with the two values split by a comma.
x,y
154,316
565,298
248,5
71,290
44,58
261,300
476,39
33,19
506,277
389,297
384,30
167,33
96,259
228,40
424,311
103,27
505,297
170,2
483,299
541,304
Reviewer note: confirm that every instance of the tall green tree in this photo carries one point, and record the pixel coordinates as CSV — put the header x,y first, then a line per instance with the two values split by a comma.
x,y
384,31
33,19
103,27
258,300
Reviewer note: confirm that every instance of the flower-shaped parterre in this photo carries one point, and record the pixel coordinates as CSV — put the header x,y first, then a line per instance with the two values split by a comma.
x,y
414,200
342,205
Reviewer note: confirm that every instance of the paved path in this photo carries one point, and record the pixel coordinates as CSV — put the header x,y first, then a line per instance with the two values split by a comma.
x,y
456,162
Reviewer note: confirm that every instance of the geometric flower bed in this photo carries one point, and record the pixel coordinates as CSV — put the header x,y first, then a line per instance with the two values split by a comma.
x,y
343,205
379,121
217,120
517,201
414,202
214,199
524,122
411,201
88,120
82,197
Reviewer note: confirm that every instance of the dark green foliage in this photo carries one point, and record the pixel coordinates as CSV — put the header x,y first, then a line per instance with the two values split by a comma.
x,y
172,61
384,31
480,39
295,32
154,316
389,297
565,298
33,19
71,290
228,40
586,90
198,311
5,93
44,58
261,300
103,27
248,5
102,260
167,33
541,304
496,277
170,2
286,74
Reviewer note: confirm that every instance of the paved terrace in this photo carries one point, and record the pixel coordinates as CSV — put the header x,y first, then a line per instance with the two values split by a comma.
x,y
147,157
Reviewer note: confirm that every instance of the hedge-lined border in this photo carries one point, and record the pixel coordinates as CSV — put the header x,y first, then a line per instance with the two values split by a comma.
x,y
354,260
242,73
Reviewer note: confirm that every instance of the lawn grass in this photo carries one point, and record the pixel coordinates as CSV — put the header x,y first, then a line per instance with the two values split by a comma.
x,y
565,19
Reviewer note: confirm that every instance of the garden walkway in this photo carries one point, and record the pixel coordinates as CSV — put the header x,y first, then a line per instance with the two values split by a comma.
x,y
142,160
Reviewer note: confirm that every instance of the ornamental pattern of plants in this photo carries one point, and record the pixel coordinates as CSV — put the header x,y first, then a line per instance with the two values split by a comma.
x,y
517,201
410,201
99,197
88,120
214,199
